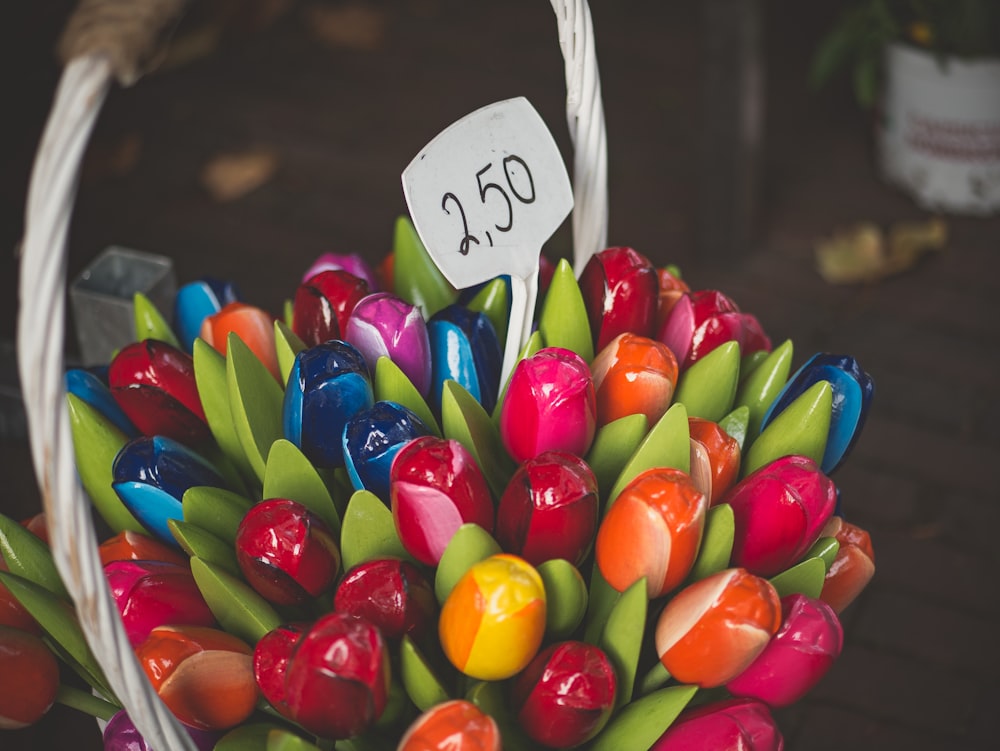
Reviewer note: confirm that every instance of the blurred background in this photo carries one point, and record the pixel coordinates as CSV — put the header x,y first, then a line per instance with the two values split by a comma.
x,y
274,130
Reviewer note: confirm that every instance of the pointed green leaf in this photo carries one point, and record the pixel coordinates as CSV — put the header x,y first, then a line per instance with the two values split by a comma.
x,y
735,424
761,386
197,542
422,686
150,323
668,444
564,321
392,385
289,474
639,724
614,443
464,420
601,599
749,363
716,542
565,597
368,532
29,557
493,301
255,401
235,605
96,443
825,548
656,677
288,313
416,278
469,545
279,739
804,578
801,428
287,345
262,736
621,639
215,510
707,388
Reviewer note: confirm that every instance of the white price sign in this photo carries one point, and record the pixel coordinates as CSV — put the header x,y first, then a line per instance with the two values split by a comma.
x,y
484,196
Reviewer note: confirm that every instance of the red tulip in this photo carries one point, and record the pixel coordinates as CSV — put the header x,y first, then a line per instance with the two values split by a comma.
x,y
633,375
254,327
436,487
287,553
731,725
270,662
701,321
550,404
324,302
566,695
456,725
29,678
391,594
780,511
853,566
153,383
549,509
620,290
798,655
717,453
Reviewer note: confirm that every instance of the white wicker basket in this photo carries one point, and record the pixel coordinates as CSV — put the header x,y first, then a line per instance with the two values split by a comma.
x,y
112,38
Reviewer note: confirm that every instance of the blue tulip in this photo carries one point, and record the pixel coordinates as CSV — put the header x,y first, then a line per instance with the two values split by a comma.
x,y
465,349
196,301
327,385
372,438
88,387
151,475
853,390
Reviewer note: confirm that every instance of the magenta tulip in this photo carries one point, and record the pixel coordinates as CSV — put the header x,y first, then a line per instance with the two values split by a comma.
x,y
797,657
385,325
566,694
549,509
155,593
780,511
436,487
121,734
621,291
390,593
550,405
731,725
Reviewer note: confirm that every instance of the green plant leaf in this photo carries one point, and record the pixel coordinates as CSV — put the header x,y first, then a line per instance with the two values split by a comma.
x,y
716,542
825,548
289,474
639,724
255,402
493,301
804,578
464,420
150,323
215,510
422,685
197,542
668,444
759,388
563,321
707,388
368,532
621,639
392,385
565,597
735,425
801,428
601,599
29,557
287,345
469,545
614,443
235,605
416,278
262,736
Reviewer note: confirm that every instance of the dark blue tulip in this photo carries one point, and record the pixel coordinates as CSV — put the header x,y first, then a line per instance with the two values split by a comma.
x,y
196,301
327,385
372,438
465,349
151,475
89,387
853,389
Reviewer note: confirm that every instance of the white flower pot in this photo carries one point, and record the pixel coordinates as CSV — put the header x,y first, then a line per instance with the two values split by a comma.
x,y
939,135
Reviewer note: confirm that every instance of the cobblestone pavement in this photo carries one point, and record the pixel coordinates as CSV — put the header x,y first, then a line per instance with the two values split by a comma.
x,y
921,657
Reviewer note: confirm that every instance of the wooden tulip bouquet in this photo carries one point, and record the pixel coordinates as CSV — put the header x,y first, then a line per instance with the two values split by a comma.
x,y
340,529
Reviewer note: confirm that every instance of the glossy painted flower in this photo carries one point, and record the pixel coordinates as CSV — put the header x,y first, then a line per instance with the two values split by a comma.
x,y
797,657
550,405
779,512
153,383
702,320
853,390
270,662
730,725
383,325
12,612
29,678
715,458
620,290
549,509
464,348
391,594
710,631
436,487
135,546
203,675
566,694
254,327
671,289
90,388
492,623
323,303
328,384
336,676
456,725
150,594
853,566
121,734
286,553
653,530
151,476
349,262
633,375
372,438
198,300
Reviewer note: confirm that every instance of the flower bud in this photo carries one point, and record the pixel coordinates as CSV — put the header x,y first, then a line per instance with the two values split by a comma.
x,y
853,566
29,678
383,325
195,302
254,327
456,725
391,594
700,321
633,375
323,303
620,290
721,454
349,262
731,725
121,734
464,348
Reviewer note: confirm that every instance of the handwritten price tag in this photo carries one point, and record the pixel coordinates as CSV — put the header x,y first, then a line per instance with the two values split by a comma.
x,y
484,196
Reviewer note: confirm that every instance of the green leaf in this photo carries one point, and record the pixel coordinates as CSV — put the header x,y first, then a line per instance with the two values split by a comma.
x,y
464,420
197,542
279,739
96,443
255,402
801,428
262,736
639,724
368,532
668,444
215,510
760,388
150,323
750,362
655,678
468,546
289,474
565,597
235,605
392,385
601,599
29,557
422,686
621,639
735,424
564,321
493,300
416,278
614,443
287,345
707,388
825,548
804,578
716,543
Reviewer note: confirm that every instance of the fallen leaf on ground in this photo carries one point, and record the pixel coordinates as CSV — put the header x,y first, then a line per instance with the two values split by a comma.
x,y
354,26
862,253
228,177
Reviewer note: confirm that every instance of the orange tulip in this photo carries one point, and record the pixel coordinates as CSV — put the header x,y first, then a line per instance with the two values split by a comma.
x,y
253,325
712,630
715,458
652,530
633,375
135,546
853,566
455,725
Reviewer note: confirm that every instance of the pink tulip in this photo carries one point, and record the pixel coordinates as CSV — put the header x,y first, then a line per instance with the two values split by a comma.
x,y
731,725
350,262
701,321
